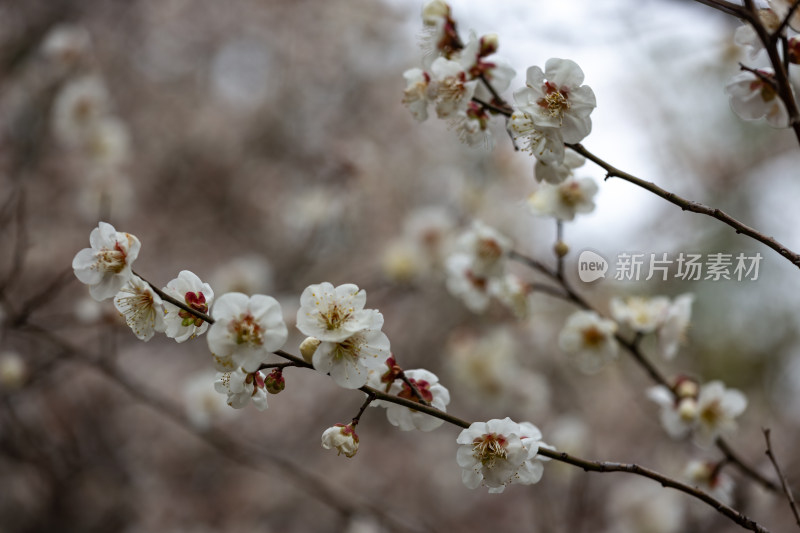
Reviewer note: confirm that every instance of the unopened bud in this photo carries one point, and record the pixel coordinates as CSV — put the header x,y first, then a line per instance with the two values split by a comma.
x,y
687,388
274,381
687,409
793,52
308,347
561,249
489,44
433,11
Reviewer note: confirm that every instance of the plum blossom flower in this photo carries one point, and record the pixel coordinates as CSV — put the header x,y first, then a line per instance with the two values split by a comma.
x,y
589,340
487,249
106,266
142,308
450,88
242,387
341,437
781,8
202,403
78,107
415,95
245,331
498,453
641,314
717,409
555,98
439,36
350,360
545,144
678,406
187,287
512,292
751,97
565,200
427,383
463,283
333,314
672,332
472,126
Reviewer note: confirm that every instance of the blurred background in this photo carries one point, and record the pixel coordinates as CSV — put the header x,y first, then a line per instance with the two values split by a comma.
x,y
263,146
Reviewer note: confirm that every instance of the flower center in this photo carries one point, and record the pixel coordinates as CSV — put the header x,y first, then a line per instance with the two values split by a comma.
x,y
489,448
711,413
555,101
197,301
247,330
112,260
335,316
593,337
571,194
489,249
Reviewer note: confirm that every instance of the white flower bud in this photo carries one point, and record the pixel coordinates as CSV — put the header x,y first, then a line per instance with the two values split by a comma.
x,y
308,347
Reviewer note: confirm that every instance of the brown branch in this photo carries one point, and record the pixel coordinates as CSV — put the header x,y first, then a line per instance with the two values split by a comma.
x,y
785,22
785,484
726,7
688,205
633,349
177,303
252,457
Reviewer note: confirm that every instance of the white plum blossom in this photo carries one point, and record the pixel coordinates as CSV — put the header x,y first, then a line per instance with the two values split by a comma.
x,y
589,341
708,477
498,453
342,438
555,98
350,360
678,409
203,404
717,409
746,37
188,288
437,396
333,314
78,107
672,332
781,8
463,283
472,126
439,36
565,200
142,308
487,249
512,292
415,95
245,330
641,314
545,144
106,266
752,98
242,387
556,173
450,89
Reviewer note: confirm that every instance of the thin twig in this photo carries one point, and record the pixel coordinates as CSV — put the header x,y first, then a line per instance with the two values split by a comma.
x,y
785,22
781,476
177,303
688,205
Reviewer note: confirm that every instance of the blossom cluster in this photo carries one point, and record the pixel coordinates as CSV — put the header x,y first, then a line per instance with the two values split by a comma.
x,y
753,92
456,77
